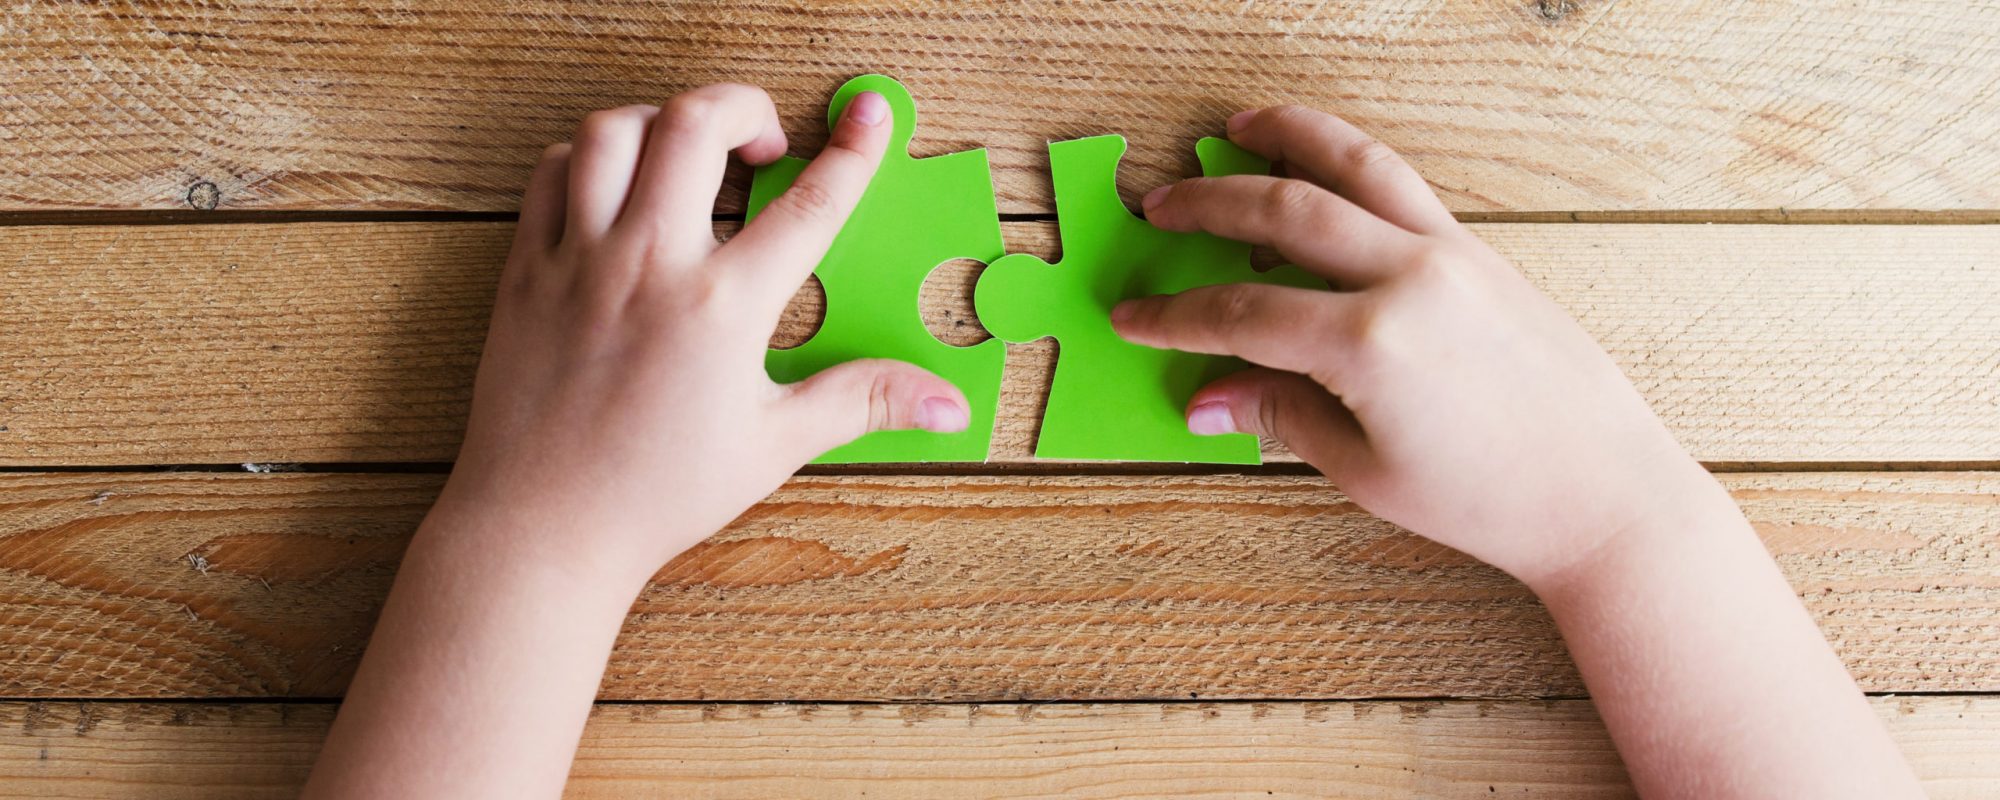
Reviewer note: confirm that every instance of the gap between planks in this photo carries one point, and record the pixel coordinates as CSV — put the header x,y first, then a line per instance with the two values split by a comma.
x,y
325,343
1501,105
951,588
1366,750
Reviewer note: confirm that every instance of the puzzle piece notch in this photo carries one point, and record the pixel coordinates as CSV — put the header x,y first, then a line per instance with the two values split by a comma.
x,y
915,215
1111,399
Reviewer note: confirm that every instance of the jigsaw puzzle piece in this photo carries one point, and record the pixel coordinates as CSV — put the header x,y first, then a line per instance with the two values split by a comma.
x,y
1111,399
916,214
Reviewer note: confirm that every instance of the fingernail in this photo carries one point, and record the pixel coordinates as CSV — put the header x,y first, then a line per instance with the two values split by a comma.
x,y
1241,119
1154,197
1209,419
868,108
940,415
1124,311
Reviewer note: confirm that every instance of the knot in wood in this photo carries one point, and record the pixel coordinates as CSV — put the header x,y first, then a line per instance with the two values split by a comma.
x,y
1554,10
204,195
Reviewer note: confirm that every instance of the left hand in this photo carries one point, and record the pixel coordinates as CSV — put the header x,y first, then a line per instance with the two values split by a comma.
x,y
622,412
1438,388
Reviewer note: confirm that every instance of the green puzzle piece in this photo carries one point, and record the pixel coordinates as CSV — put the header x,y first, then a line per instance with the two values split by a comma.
x,y
917,213
1112,399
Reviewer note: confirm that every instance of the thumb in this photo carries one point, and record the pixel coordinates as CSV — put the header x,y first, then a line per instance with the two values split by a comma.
x,y
842,402
1285,406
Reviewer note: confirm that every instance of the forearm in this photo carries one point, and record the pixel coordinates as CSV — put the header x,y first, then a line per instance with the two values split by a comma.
x,y
481,671
621,414
1709,673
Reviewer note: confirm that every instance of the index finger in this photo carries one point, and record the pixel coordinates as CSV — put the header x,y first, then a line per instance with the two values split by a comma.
x,y
788,239
1339,156
1320,231
1281,327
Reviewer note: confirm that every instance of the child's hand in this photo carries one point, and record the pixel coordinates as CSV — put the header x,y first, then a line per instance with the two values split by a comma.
x,y
623,390
621,414
1444,393
1437,386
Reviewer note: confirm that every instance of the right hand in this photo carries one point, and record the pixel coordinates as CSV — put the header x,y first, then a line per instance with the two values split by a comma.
x,y
1435,385
622,398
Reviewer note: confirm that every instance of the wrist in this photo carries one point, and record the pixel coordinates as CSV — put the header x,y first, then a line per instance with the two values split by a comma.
x,y
548,543
1683,530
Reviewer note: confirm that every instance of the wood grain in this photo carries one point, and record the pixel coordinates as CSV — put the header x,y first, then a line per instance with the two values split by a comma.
x,y
357,342
1511,105
950,588
1280,749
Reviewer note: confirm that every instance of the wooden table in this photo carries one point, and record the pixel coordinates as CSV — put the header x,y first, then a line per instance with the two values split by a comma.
x,y
247,254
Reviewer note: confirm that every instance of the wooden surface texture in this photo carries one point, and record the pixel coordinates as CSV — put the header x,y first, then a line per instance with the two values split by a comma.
x,y
357,342
1374,750
1017,587
221,243
1505,105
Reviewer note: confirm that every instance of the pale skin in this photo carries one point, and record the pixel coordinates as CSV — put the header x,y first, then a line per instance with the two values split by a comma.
x,y
622,415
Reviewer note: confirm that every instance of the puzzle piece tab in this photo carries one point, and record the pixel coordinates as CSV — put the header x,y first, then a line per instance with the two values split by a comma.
x,y
1112,399
917,213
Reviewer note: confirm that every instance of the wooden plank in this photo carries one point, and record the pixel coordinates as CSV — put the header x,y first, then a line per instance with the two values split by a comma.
x,y
1515,105
1283,749
356,342
950,588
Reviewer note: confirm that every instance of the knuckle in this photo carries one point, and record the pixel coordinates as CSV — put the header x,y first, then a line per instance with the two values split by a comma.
x,y
596,121
699,292
1235,305
1368,327
659,250
606,119
601,125
691,302
1291,200
716,303
689,112
1365,328
1370,154
1288,115
1360,337
810,201
881,391
1430,261
1271,413
730,94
